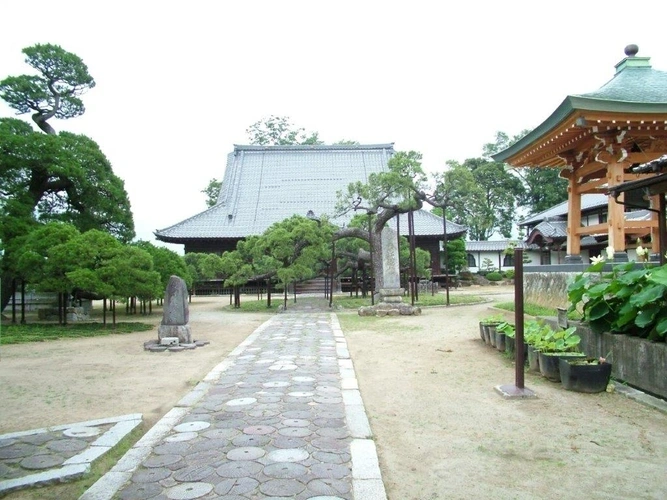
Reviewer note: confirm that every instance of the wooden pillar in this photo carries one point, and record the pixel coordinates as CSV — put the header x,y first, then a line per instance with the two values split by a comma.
x,y
616,211
573,221
656,247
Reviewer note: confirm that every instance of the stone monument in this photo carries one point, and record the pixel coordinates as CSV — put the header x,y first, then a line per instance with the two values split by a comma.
x,y
391,295
176,314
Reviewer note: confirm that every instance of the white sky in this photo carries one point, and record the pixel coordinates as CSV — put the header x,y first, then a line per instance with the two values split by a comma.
x,y
178,83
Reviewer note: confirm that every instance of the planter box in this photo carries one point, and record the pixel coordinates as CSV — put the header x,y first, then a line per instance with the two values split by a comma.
x,y
635,361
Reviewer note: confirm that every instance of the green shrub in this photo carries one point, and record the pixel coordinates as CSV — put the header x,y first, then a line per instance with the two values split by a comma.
x,y
509,274
494,276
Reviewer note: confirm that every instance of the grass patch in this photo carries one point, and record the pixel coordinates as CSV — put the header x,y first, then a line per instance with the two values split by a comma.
x,y
425,300
255,306
35,332
536,310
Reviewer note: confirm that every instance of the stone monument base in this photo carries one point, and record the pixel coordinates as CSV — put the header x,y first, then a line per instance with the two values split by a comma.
x,y
181,331
391,304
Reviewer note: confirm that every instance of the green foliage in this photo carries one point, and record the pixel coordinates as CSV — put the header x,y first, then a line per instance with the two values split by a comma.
x,y
493,319
211,191
62,77
629,299
544,338
551,340
509,274
19,334
167,263
483,196
486,267
457,257
494,276
278,131
542,187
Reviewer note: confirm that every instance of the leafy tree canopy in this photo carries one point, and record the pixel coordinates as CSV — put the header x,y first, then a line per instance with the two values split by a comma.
x,y
278,131
62,77
543,186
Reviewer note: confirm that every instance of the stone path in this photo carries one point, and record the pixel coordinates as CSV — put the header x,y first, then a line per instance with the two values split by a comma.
x,y
61,453
281,417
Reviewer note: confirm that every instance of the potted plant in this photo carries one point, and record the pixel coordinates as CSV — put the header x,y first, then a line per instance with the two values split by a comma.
x,y
507,331
488,328
588,375
553,346
534,332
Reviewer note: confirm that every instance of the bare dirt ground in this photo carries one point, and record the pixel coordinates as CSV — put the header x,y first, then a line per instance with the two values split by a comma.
x,y
73,380
427,383
442,432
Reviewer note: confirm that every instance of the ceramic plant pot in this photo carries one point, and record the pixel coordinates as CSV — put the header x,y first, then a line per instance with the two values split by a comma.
x,y
584,375
550,363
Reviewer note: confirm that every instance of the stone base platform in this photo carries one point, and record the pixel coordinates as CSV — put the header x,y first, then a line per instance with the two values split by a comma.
x,y
183,332
391,304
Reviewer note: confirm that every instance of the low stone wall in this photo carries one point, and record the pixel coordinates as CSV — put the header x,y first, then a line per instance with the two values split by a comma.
x,y
548,289
638,362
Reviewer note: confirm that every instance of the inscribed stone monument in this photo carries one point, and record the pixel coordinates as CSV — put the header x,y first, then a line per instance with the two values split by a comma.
x,y
176,313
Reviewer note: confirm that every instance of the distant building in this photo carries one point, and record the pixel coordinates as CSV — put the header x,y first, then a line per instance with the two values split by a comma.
x,y
263,185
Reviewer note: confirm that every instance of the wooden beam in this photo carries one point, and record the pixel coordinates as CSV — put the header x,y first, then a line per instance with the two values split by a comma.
x,y
593,186
616,211
593,229
589,168
574,217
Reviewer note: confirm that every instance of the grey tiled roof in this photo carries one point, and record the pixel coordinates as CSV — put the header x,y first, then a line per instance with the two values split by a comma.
x,y
492,246
588,202
428,224
266,184
552,228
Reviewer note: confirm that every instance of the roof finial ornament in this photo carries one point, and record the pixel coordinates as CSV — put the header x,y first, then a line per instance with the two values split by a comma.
x,y
631,50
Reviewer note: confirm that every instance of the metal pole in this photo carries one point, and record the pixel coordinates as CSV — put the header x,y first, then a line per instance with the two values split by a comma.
x,y
333,270
446,256
518,317
370,246
413,271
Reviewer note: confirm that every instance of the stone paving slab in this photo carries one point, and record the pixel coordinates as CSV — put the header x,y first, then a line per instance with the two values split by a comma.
x,y
61,453
280,417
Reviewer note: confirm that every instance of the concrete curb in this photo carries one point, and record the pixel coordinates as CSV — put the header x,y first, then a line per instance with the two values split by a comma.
x,y
366,476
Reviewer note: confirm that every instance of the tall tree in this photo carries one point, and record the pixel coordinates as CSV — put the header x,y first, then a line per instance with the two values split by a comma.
x,y
53,177
397,190
543,187
211,191
55,91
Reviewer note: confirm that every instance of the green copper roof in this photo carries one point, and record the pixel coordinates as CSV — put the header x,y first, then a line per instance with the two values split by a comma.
x,y
635,88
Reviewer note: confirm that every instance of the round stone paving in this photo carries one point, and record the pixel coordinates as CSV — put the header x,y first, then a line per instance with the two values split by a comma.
x,y
181,436
275,384
150,475
235,487
241,402
283,367
259,429
328,487
297,432
330,471
288,455
300,394
192,426
245,453
37,462
81,432
161,460
18,450
239,469
282,487
195,473
303,379
296,422
187,491
286,470
65,445
248,440
227,433
140,491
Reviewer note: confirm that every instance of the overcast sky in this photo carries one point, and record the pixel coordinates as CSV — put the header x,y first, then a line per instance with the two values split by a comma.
x,y
178,83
